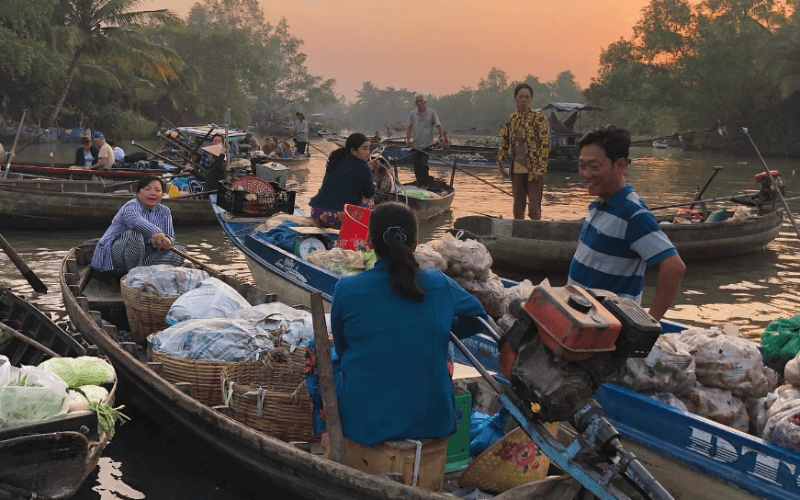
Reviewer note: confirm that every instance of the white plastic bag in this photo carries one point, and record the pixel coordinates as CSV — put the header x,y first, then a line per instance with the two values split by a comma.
x,y
783,426
468,259
293,325
213,298
718,405
163,279
669,367
217,339
33,395
428,258
5,370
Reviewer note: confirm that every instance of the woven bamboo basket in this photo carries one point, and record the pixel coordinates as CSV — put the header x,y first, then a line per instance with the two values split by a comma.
x,y
204,376
276,385
146,311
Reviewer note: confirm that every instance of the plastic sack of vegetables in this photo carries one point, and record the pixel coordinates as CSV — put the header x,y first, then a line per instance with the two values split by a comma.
x,y
212,299
163,279
783,425
294,325
5,370
83,370
33,395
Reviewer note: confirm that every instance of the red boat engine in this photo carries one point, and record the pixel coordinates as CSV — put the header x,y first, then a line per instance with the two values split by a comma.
x,y
767,191
567,341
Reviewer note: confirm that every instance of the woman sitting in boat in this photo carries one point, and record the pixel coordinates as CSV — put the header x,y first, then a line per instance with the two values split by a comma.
x,y
348,180
140,234
391,331
86,155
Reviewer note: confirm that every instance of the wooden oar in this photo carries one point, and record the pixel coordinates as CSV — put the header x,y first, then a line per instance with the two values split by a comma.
x,y
707,200
333,423
463,171
29,275
14,146
31,342
204,267
164,158
700,193
772,182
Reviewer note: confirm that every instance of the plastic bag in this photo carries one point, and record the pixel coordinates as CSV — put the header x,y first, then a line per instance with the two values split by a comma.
x,y
780,341
163,279
758,410
490,293
718,405
791,372
217,339
277,219
727,362
485,430
523,291
5,370
468,259
293,325
339,260
33,395
783,426
669,399
669,367
212,299
83,370
428,258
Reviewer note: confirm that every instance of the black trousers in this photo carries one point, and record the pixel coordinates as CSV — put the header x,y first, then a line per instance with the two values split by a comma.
x,y
301,146
421,171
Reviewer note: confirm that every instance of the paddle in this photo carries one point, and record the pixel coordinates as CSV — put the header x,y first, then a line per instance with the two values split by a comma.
x,y
707,200
772,182
29,275
330,403
700,193
193,260
164,158
14,146
463,171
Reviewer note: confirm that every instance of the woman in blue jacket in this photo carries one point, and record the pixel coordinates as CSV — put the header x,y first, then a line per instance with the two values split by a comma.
x,y
391,330
348,180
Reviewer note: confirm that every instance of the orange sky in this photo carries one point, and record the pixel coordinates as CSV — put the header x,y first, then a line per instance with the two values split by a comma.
x,y
439,46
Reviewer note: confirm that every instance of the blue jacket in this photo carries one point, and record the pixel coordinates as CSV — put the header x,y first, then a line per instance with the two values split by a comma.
x,y
350,181
79,156
393,381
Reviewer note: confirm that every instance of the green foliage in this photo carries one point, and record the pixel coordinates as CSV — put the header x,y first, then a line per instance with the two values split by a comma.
x,y
130,124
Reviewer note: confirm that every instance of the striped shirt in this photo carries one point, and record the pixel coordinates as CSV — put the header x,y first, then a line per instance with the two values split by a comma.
x,y
619,239
132,215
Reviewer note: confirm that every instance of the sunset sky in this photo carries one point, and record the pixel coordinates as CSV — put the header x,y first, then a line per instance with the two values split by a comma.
x,y
438,46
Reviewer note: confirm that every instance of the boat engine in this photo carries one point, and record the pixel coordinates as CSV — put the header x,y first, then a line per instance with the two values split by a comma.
x,y
566,341
767,191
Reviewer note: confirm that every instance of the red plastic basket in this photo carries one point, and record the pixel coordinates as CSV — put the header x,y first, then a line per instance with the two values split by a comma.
x,y
264,194
355,228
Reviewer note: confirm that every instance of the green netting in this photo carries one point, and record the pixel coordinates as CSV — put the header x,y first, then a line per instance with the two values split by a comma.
x,y
780,341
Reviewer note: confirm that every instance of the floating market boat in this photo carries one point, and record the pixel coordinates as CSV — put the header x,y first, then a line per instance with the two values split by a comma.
x,y
49,459
541,247
66,171
687,454
249,459
61,204
426,203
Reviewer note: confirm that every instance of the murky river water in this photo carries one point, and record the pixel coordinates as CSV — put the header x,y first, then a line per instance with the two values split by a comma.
x,y
747,292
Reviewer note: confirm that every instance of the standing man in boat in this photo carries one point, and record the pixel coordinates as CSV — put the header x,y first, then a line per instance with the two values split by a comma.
x,y
105,155
526,142
301,133
421,122
620,236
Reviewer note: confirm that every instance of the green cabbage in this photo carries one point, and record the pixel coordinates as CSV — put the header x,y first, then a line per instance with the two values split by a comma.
x,y
77,372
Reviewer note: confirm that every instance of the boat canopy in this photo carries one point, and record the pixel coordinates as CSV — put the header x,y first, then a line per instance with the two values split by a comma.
x,y
202,131
569,106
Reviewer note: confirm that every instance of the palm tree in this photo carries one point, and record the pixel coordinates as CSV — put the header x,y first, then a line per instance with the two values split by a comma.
x,y
104,31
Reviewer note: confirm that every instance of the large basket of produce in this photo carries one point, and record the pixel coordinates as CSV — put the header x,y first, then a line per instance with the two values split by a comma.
x,y
203,375
270,395
146,311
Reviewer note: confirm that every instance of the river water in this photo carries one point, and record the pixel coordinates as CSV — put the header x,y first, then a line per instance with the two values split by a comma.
x,y
744,293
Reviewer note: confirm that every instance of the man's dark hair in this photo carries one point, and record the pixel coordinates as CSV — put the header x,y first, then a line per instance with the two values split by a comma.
x,y
523,86
615,141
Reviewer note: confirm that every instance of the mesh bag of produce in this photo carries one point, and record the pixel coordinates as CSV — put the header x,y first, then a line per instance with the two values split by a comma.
x,y
718,405
490,293
465,259
669,367
727,362
31,396
83,370
783,425
781,341
428,258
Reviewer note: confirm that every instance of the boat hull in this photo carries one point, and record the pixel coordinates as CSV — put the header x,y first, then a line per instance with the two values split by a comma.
x,y
62,205
546,247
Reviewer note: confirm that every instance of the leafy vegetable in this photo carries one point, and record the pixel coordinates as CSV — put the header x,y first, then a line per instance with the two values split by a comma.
x,y
80,371
24,381
107,417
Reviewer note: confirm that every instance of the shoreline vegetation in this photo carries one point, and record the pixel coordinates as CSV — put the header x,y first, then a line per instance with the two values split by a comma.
x,y
704,69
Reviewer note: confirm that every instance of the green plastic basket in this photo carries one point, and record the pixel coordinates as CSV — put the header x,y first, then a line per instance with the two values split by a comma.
x,y
458,446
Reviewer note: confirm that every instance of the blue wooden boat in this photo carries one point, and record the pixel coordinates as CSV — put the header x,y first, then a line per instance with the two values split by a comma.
x,y
678,447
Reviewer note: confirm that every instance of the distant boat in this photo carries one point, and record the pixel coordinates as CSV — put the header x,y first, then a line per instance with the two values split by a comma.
x,y
660,144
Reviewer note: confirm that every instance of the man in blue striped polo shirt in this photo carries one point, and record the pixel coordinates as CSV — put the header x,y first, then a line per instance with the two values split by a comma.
x,y
620,236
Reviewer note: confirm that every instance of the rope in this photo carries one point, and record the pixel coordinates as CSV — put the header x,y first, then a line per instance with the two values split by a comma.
x,y
417,458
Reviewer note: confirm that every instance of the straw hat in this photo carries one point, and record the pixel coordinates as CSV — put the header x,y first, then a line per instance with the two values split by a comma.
x,y
509,462
213,149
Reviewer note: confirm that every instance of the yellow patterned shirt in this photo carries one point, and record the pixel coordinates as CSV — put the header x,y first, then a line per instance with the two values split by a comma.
x,y
537,138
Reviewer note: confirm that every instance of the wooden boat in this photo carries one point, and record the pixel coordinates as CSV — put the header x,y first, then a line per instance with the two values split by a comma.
x,y
665,451
49,459
424,208
546,247
247,458
63,171
296,162
62,204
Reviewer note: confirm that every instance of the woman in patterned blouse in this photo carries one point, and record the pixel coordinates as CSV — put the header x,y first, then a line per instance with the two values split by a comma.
x,y
526,143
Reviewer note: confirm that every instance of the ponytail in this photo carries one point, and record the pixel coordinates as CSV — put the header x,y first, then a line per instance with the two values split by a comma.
x,y
354,141
393,232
